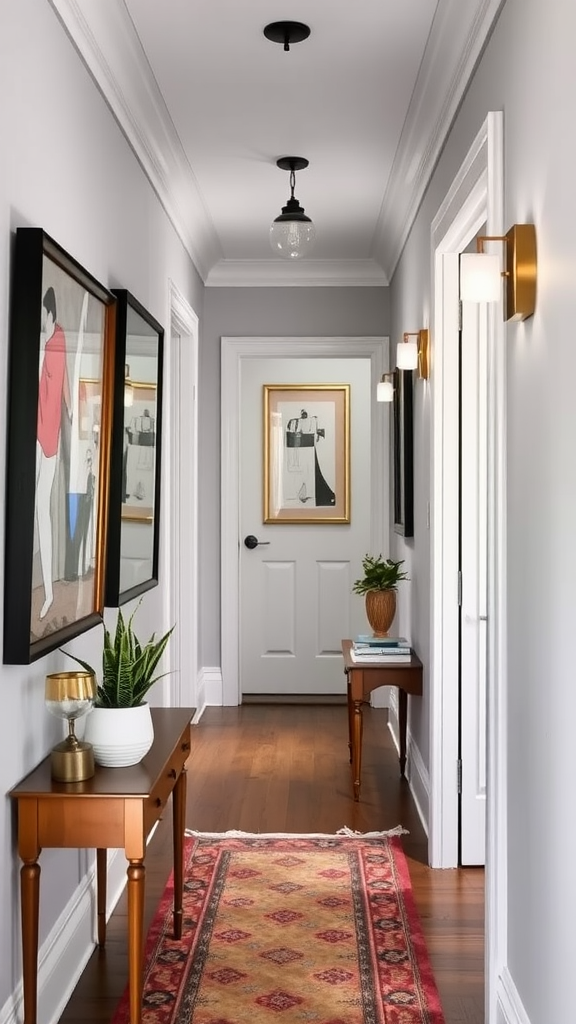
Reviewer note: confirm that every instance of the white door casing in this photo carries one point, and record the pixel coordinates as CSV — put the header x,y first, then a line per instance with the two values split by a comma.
x,y
181,501
235,354
473,564
476,196
296,602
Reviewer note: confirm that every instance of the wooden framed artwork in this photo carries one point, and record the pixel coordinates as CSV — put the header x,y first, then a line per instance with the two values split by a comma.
x,y
307,453
403,453
58,446
134,515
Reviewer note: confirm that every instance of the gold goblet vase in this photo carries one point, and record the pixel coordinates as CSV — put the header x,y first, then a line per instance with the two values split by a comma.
x,y
70,695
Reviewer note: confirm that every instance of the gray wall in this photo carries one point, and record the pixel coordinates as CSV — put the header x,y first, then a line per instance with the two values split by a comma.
x,y
528,72
67,168
258,312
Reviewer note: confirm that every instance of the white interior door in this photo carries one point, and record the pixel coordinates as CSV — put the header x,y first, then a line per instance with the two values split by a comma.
x,y
296,601
474,593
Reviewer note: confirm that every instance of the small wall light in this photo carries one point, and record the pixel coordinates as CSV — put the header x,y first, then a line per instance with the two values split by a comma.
x,y
412,355
481,277
407,352
385,388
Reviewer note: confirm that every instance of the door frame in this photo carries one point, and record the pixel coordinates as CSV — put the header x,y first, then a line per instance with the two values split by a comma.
x,y
181,492
233,352
475,197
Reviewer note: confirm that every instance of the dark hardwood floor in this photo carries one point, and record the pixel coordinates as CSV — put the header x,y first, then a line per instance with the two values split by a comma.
x,y
284,768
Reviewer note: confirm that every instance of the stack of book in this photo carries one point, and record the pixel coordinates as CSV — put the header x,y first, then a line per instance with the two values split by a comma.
x,y
380,650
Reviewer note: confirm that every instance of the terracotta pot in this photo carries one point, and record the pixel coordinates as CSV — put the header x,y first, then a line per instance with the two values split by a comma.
x,y
380,610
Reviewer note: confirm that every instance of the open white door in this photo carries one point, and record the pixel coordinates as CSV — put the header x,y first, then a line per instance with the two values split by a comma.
x,y
474,593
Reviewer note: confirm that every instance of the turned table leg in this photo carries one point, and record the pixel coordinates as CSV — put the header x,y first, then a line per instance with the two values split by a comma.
x,y
136,881
30,895
357,747
178,821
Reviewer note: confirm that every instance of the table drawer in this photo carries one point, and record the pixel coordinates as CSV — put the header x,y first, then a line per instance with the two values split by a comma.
x,y
165,784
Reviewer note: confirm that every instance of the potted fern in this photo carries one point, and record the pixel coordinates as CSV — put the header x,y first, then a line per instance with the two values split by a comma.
x,y
119,726
379,584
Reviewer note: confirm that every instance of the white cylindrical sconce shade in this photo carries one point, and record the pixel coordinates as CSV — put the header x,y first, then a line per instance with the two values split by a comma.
x,y
385,391
480,277
407,355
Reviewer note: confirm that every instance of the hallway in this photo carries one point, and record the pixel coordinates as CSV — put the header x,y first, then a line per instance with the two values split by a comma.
x,y
284,768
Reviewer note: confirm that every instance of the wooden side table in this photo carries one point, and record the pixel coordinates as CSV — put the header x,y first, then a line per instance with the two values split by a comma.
x,y
116,808
361,680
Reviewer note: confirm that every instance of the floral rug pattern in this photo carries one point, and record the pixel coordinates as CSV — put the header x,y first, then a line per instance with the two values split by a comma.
x,y
290,930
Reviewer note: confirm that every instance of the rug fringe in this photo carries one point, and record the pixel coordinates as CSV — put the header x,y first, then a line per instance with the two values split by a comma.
x,y
233,833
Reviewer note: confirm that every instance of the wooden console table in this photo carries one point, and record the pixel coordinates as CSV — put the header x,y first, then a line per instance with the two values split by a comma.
x,y
117,808
361,680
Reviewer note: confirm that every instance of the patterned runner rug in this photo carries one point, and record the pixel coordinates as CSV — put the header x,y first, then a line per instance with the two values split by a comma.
x,y
290,930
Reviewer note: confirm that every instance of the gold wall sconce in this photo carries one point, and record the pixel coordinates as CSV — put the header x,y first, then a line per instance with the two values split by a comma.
x,y
414,355
481,276
385,388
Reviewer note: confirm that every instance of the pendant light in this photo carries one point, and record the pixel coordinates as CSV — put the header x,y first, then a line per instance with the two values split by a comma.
x,y
292,233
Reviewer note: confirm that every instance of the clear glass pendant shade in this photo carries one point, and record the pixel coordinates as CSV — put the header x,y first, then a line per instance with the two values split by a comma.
x,y
292,239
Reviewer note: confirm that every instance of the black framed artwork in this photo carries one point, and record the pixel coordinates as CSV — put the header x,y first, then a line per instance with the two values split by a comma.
x,y
403,453
134,510
58,446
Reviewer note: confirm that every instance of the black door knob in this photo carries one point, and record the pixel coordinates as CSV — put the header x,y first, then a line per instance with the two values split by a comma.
x,y
251,541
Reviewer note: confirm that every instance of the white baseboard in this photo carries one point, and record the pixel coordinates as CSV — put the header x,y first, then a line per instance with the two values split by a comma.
x,y
416,771
210,689
66,950
509,1007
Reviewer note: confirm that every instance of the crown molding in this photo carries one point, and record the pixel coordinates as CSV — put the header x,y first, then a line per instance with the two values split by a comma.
x,y
307,273
457,38
105,38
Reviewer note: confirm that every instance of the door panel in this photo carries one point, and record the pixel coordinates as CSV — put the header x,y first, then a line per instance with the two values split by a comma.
x,y
296,601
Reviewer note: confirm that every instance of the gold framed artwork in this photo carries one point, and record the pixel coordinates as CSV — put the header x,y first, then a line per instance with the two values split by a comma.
x,y
306,453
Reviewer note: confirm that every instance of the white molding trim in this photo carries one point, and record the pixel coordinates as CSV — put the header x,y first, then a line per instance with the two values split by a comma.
x,y
457,38
233,351
66,950
308,273
416,771
510,1009
181,490
108,44
476,196
210,690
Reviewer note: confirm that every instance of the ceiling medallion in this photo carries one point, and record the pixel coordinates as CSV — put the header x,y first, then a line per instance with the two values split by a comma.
x,y
286,32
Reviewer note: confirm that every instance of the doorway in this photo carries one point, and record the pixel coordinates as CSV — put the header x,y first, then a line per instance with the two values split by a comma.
x,y
237,355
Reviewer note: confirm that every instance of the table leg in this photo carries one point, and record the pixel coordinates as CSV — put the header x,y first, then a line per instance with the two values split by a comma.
x,y
30,895
136,881
178,823
402,723
101,887
350,716
357,747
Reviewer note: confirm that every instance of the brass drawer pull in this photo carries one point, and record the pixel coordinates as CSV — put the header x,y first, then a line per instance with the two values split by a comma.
x,y
172,773
185,746
158,802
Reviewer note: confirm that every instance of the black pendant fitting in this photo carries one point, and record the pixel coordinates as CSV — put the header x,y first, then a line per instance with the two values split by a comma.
x,y
286,32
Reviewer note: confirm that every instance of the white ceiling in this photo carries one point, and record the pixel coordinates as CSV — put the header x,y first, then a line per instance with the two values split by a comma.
x,y
209,104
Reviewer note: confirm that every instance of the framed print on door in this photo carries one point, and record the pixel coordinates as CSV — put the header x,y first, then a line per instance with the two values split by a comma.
x,y
58,445
306,453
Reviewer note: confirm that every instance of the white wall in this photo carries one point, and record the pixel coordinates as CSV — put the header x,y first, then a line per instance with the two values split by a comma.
x,y
259,312
65,167
528,71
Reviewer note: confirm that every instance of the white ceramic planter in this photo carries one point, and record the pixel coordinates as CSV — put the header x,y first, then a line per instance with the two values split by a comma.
x,y
120,736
